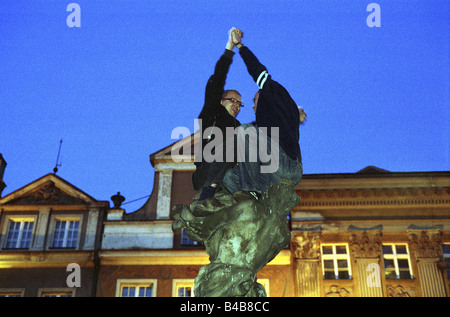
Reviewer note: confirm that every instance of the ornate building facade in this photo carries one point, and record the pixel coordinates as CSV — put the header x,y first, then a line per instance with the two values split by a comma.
x,y
373,233
49,240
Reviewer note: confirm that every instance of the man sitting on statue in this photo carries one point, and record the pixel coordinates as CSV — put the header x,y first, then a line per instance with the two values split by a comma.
x,y
219,111
275,111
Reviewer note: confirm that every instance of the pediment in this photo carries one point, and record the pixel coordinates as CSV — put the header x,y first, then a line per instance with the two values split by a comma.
x,y
47,190
180,151
372,170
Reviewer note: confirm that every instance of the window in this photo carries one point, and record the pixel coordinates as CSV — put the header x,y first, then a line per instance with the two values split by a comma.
x,y
336,261
65,231
20,232
446,253
185,239
136,291
65,234
56,292
183,288
136,288
12,292
396,261
17,231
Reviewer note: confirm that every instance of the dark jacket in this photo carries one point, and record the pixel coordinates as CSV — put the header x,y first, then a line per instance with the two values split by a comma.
x,y
275,108
213,113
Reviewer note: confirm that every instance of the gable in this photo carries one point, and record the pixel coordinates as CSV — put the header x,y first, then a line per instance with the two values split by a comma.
x,y
48,190
180,151
372,170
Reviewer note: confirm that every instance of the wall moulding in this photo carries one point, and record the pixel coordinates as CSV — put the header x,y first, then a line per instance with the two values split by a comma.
x,y
374,197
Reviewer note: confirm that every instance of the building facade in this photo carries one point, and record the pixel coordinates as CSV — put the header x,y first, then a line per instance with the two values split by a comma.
x,y
373,233
49,240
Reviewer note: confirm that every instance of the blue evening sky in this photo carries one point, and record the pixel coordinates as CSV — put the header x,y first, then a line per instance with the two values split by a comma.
x,y
115,88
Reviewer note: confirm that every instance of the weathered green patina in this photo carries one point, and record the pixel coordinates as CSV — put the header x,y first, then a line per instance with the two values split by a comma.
x,y
240,238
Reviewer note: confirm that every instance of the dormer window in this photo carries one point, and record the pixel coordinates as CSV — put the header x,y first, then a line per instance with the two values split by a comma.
x,y
66,233
20,233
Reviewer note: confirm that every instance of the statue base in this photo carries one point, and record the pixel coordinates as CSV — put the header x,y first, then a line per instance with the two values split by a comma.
x,y
240,237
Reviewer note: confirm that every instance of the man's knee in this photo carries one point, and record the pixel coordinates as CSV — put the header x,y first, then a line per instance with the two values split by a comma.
x,y
231,180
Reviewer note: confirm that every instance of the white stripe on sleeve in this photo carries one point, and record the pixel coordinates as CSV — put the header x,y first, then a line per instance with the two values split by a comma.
x,y
263,81
260,77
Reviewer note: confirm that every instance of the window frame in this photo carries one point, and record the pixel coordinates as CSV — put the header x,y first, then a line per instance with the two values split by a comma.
x,y
12,292
6,230
185,241
446,257
395,257
335,257
57,292
178,283
52,231
135,283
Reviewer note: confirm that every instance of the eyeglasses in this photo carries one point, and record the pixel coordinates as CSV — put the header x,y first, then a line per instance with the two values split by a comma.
x,y
233,100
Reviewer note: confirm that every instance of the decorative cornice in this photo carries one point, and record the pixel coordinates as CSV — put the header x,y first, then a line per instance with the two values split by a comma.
x,y
356,191
45,259
170,257
375,196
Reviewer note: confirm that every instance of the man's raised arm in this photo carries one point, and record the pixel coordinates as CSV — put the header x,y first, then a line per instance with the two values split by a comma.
x,y
216,83
257,70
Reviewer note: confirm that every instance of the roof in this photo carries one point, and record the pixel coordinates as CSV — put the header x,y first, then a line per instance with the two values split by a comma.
x,y
48,190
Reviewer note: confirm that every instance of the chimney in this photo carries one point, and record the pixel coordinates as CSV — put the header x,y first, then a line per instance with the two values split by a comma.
x,y
2,171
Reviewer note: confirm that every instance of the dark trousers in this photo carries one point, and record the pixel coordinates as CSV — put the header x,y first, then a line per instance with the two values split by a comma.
x,y
210,173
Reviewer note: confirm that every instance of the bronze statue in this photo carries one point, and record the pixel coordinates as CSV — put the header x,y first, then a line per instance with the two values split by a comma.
x,y
240,238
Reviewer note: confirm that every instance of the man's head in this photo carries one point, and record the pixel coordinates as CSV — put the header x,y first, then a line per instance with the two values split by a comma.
x,y
231,100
